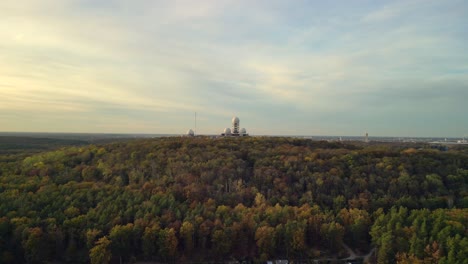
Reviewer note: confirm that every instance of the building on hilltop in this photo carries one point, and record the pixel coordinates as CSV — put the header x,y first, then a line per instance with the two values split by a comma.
x,y
235,125
227,131
190,133
236,131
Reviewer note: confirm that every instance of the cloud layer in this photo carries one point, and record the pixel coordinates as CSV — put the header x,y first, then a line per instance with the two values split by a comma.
x,y
394,68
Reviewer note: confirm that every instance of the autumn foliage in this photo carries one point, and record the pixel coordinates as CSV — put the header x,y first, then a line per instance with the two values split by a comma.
x,y
254,199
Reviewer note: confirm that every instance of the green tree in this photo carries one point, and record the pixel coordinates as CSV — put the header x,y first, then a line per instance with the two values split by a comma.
x,y
91,237
168,243
36,248
100,253
122,240
333,233
187,232
221,242
265,237
150,241
385,252
90,173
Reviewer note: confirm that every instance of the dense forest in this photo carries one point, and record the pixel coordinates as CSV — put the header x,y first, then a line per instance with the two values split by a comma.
x,y
225,199
28,145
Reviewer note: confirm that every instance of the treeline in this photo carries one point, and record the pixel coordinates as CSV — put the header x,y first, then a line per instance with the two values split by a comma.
x,y
199,199
23,144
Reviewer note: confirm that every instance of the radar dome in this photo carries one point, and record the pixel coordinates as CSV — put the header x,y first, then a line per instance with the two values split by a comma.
x,y
227,131
235,125
190,133
243,131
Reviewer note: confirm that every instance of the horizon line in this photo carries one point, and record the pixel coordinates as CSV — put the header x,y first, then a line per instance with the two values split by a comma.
x,y
258,135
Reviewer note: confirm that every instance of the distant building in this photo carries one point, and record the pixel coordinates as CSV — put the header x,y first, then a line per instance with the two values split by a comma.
x,y
366,139
235,125
236,131
190,133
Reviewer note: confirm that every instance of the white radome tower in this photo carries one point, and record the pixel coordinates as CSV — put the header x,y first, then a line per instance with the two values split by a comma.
x,y
235,125
235,130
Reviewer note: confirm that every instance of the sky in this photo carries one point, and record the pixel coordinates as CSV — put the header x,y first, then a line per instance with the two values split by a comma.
x,y
311,67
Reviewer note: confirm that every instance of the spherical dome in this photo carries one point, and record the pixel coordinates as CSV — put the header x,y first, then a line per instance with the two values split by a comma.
x,y
243,131
227,131
235,120
190,132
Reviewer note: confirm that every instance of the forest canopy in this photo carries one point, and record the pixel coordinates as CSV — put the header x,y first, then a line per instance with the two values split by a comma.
x,y
183,199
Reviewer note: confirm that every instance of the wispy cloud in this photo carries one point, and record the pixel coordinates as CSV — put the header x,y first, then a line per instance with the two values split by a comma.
x,y
146,66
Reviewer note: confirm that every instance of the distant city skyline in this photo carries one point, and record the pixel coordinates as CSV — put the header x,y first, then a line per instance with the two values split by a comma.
x,y
389,68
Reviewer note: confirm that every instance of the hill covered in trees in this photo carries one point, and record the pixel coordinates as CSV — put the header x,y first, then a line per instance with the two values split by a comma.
x,y
255,199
